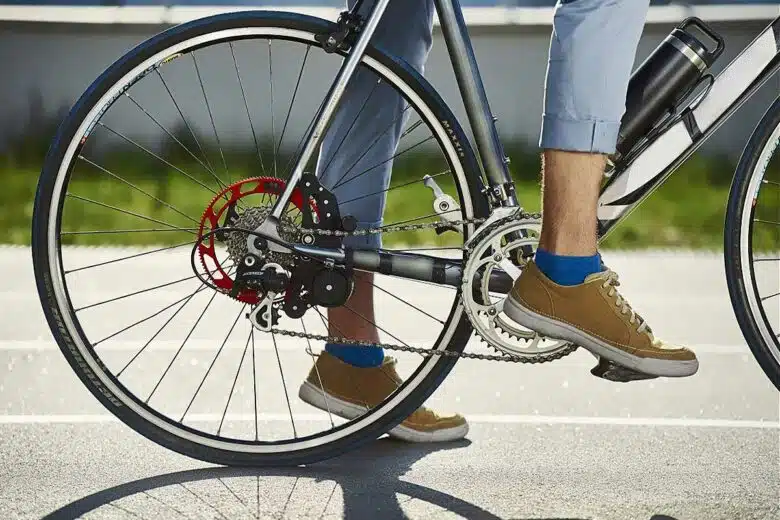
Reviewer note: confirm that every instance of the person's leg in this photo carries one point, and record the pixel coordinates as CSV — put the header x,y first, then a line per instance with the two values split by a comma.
x,y
592,52
566,292
353,164
353,161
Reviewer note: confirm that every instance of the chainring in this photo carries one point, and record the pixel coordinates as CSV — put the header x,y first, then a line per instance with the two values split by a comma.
x,y
498,246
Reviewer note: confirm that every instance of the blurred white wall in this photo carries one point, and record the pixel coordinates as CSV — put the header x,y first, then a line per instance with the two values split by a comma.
x,y
57,61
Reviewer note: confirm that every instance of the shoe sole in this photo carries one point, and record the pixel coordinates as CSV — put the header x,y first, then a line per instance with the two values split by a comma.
x,y
559,330
317,398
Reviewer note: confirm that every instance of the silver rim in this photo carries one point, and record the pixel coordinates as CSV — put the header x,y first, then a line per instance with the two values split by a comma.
x,y
748,277
60,291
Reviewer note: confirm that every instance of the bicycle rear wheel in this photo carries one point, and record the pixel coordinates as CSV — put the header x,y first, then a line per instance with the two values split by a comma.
x,y
117,350
752,243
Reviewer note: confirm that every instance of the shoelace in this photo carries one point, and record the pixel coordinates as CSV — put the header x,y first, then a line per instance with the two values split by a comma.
x,y
611,282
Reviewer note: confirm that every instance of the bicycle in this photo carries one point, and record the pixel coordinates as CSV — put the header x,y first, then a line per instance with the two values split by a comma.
x,y
283,238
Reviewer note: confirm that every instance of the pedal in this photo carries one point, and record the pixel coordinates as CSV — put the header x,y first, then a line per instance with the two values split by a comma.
x,y
611,371
444,206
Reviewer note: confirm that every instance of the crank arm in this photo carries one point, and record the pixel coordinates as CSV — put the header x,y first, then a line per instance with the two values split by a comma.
x,y
412,266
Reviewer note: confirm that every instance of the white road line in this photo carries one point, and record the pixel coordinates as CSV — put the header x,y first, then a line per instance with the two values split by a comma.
x,y
284,344
474,419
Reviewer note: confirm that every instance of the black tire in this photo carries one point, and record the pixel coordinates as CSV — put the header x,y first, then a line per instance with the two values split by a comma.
x,y
740,274
74,345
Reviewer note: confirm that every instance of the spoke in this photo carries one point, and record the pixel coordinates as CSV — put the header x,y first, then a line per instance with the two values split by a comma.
x,y
233,387
254,379
351,126
767,222
162,327
291,161
767,260
284,385
767,181
201,288
211,116
393,188
328,324
770,296
407,303
122,259
353,311
373,143
319,378
120,231
246,105
181,347
162,160
292,100
208,168
411,129
381,163
192,133
117,177
271,81
126,212
213,362
136,293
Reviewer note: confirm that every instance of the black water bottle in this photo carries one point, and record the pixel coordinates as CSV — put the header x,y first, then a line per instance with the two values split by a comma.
x,y
671,72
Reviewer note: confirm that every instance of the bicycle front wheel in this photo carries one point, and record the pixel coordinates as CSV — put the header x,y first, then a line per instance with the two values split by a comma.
x,y
134,321
752,243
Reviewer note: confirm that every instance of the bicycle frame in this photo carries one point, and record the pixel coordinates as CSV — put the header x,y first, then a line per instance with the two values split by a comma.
x,y
632,179
658,158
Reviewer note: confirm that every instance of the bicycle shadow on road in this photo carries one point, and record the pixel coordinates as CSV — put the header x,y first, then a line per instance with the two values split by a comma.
x,y
368,480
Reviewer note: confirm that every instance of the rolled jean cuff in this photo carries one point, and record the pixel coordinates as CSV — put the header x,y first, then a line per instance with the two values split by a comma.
x,y
579,136
370,241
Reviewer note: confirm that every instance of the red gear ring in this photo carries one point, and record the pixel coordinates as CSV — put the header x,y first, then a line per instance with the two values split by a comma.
x,y
209,223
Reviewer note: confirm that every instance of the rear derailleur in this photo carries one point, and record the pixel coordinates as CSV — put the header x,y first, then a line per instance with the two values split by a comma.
x,y
301,283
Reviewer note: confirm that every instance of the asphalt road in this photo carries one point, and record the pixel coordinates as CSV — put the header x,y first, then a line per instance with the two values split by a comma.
x,y
546,442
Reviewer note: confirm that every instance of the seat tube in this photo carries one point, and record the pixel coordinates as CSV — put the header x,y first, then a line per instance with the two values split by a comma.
x,y
464,64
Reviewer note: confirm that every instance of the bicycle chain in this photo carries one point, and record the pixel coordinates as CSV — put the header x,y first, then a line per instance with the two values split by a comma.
x,y
518,215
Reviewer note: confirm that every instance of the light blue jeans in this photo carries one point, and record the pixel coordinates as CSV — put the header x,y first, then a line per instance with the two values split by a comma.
x,y
591,55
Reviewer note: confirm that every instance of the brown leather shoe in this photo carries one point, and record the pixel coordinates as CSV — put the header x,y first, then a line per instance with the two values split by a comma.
x,y
595,316
348,391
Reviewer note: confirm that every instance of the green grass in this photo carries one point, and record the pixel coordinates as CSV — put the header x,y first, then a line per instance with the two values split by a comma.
x,y
686,212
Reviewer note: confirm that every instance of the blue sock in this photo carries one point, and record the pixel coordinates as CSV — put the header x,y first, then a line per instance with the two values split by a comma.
x,y
363,357
567,270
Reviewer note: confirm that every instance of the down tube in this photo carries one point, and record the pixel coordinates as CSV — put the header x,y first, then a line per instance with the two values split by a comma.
x,y
734,85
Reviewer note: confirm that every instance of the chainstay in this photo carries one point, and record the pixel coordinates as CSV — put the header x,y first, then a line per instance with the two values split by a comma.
x,y
518,215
